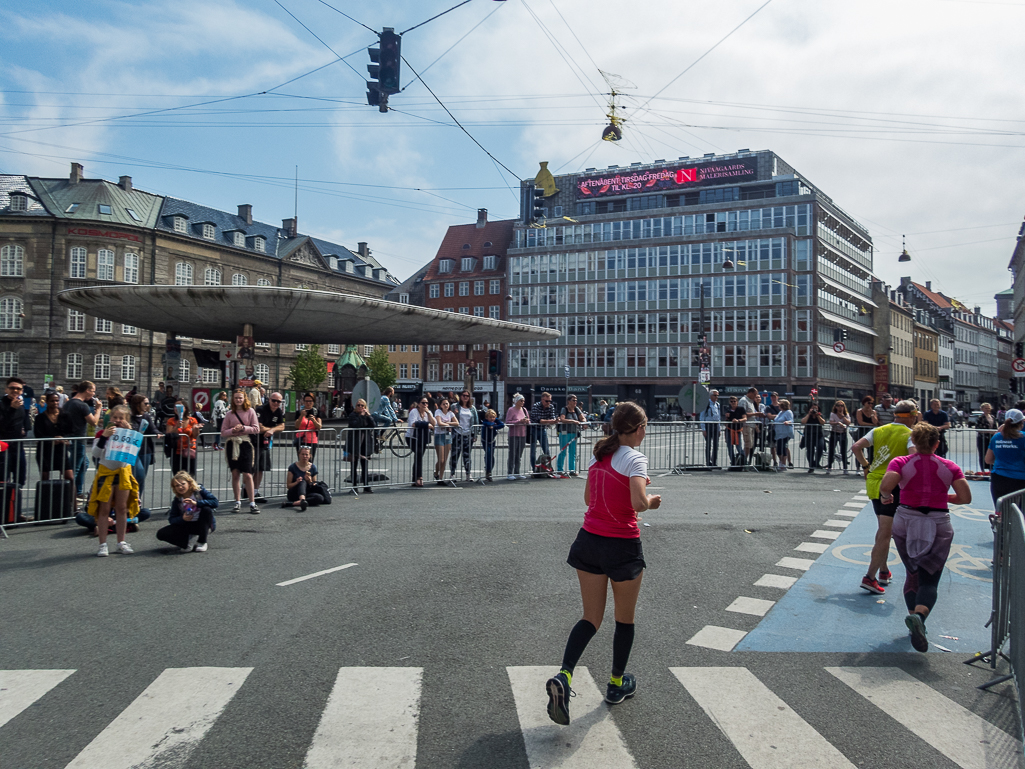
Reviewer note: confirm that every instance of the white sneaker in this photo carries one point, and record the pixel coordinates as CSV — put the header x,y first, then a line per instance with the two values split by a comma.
x,y
236,507
510,478
521,477
124,547
193,539
201,547
103,552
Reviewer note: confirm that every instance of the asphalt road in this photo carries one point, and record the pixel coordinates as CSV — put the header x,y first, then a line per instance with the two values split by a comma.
x,y
471,586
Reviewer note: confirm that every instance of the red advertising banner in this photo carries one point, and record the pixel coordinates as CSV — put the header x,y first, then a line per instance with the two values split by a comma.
x,y
668,178
882,379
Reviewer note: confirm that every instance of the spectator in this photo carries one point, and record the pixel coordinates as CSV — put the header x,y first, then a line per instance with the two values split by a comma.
x,y
711,427
1006,455
81,410
217,414
839,421
783,424
769,412
419,423
301,482
87,522
63,397
542,414
143,422
986,426
886,410
256,394
812,440
736,416
239,427
181,432
444,421
385,415
191,517
941,421
53,454
158,396
570,422
866,417
308,424
114,488
359,443
14,426
517,420
271,417
489,428
463,435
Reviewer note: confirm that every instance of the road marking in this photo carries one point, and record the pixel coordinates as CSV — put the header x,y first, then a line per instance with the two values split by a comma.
x,y
846,513
776,580
838,524
372,725
315,574
824,534
756,606
166,722
761,726
858,505
795,563
721,638
20,688
591,739
967,740
812,547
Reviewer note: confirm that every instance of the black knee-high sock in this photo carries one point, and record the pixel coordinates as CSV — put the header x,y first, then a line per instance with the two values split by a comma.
x,y
579,637
622,642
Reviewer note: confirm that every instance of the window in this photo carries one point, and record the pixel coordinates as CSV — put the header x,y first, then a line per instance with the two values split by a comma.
x,y
104,326
19,202
262,372
131,274
238,279
184,370
334,349
414,370
211,276
12,261
180,224
403,298
434,291
104,209
403,370
208,231
263,282
72,208
445,265
446,372
135,216
416,348
78,262
391,348
478,311
263,346
105,264
461,371
368,350
489,262
129,330
11,309
76,320
495,311
464,310
432,371
127,368
301,347
404,348
260,244
211,376
240,239
73,370
8,364
478,288
464,288
450,289
467,263
183,274
101,366
495,287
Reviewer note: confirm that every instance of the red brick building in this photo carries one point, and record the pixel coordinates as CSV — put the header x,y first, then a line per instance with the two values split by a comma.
x,y
468,275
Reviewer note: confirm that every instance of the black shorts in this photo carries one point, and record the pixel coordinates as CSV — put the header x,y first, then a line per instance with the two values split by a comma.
x,y
887,510
263,463
621,560
244,463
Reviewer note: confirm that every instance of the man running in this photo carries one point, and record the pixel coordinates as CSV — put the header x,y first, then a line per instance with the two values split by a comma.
x,y
887,441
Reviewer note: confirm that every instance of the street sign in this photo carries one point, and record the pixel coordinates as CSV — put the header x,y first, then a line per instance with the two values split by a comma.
x,y
227,351
839,347
567,372
693,396
368,390
1018,365
200,400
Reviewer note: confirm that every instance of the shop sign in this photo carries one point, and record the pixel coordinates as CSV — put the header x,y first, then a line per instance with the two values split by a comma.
x,y
110,234
882,374
669,178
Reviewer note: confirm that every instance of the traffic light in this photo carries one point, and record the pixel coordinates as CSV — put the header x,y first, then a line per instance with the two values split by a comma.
x,y
375,98
537,206
839,335
1018,350
494,363
384,67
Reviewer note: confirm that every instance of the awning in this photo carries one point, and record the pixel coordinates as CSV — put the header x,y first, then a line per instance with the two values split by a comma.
x,y
854,296
846,355
853,325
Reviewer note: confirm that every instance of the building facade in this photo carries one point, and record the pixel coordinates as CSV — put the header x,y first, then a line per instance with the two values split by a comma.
x,y
927,359
895,342
73,232
635,265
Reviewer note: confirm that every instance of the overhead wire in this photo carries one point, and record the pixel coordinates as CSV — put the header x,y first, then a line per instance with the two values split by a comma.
x,y
457,42
437,16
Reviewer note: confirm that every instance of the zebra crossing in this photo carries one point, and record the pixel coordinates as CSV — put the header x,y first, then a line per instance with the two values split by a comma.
x,y
377,725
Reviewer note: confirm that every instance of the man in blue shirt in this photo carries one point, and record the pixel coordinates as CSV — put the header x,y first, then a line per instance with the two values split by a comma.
x,y
710,427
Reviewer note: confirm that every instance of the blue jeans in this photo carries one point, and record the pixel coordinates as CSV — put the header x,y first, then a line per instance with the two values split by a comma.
x,y
80,464
141,470
567,448
489,458
538,434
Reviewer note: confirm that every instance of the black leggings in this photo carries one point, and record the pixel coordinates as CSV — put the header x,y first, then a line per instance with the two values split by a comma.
x,y
920,588
834,440
418,447
178,534
313,498
999,485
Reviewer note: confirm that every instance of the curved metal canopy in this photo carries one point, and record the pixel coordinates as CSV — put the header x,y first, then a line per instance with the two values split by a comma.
x,y
290,315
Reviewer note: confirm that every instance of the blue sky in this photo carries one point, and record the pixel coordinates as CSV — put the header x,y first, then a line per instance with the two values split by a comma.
x,y
906,112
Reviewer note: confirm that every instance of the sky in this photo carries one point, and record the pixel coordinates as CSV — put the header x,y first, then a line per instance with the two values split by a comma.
x,y
907,113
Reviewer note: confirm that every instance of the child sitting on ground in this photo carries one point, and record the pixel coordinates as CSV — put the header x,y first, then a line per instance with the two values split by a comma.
x,y
191,517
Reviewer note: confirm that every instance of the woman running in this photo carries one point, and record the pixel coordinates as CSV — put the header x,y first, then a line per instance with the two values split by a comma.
x,y
608,548
921,528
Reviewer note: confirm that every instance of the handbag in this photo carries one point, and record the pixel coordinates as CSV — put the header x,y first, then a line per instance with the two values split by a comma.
x,y
322,489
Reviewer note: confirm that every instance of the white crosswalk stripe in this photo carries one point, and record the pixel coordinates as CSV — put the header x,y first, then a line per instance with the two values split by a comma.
x,y
374,728
20,688
590,740
957,733
166,722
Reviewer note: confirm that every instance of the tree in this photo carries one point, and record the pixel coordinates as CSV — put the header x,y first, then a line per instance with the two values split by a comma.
x,y
382,371
309,370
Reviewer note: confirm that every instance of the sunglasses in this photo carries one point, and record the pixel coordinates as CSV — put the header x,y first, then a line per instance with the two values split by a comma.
x,y
275,400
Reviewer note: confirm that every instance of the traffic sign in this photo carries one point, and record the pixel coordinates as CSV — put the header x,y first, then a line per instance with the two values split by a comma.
x,y
200,400
693,396
1018,365
839,347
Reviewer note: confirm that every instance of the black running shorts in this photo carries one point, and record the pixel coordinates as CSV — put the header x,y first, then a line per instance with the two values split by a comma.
x,y
887,510
621,560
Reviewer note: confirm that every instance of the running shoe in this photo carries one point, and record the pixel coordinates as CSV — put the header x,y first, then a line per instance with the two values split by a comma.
x,y
558,698
510,477
253,509
871,585
103,552
616,694
193,539
885,577
236,507
201,547
916,626
124,547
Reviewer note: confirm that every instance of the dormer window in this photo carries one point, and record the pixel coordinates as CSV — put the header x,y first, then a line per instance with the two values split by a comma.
x,y
445,265
467,264
104,209
489,262
19,202
240,239
72,208
180,224
208,231
466,246
260,244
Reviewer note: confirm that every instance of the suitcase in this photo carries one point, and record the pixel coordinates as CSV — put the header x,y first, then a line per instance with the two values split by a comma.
x,y
9,501
55,499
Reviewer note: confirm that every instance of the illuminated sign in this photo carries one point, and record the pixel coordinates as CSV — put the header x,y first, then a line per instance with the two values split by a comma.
x,y
104,234
669,178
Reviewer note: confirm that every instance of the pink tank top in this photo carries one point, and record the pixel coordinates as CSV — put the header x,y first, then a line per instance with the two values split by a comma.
x,y
611,513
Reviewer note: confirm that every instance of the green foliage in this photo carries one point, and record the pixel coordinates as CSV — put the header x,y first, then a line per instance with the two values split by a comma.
x,y
309,371
382,371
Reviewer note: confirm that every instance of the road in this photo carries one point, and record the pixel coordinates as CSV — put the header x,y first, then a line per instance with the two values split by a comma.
x,y
432,648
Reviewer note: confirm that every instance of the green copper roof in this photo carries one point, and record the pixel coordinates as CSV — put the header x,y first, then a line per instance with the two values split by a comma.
x,y
60,195
351,358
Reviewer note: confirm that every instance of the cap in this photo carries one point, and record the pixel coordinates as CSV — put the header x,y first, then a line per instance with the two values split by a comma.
x,y
1015,416
257,382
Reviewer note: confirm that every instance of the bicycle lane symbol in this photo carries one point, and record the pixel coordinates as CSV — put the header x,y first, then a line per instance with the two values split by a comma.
x,y
960,561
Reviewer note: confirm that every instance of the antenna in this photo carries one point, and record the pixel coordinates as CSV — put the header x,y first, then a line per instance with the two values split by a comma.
x,y
297,194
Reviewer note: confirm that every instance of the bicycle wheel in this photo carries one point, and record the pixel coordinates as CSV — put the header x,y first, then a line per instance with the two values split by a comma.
x,y
397,444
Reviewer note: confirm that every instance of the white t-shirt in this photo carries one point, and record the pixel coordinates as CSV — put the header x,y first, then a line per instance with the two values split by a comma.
x,y
439,417
627,461
465,417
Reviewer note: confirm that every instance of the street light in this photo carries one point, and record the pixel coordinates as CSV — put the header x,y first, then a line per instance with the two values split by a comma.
x,y
702,338
904,255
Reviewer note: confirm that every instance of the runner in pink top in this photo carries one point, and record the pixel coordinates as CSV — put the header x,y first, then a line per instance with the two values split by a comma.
x,y
608,548
921,527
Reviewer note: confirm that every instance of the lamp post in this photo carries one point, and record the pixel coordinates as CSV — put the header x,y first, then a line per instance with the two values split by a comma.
x,y
704,353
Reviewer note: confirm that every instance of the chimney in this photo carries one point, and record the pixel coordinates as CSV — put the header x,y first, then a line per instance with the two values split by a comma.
x,y
125,183
978,310
928,285
482,218
905,282
290,226
76,173
362,250
245,213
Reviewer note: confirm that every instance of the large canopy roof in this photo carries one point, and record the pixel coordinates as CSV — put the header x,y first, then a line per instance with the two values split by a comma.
x,y
290,315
